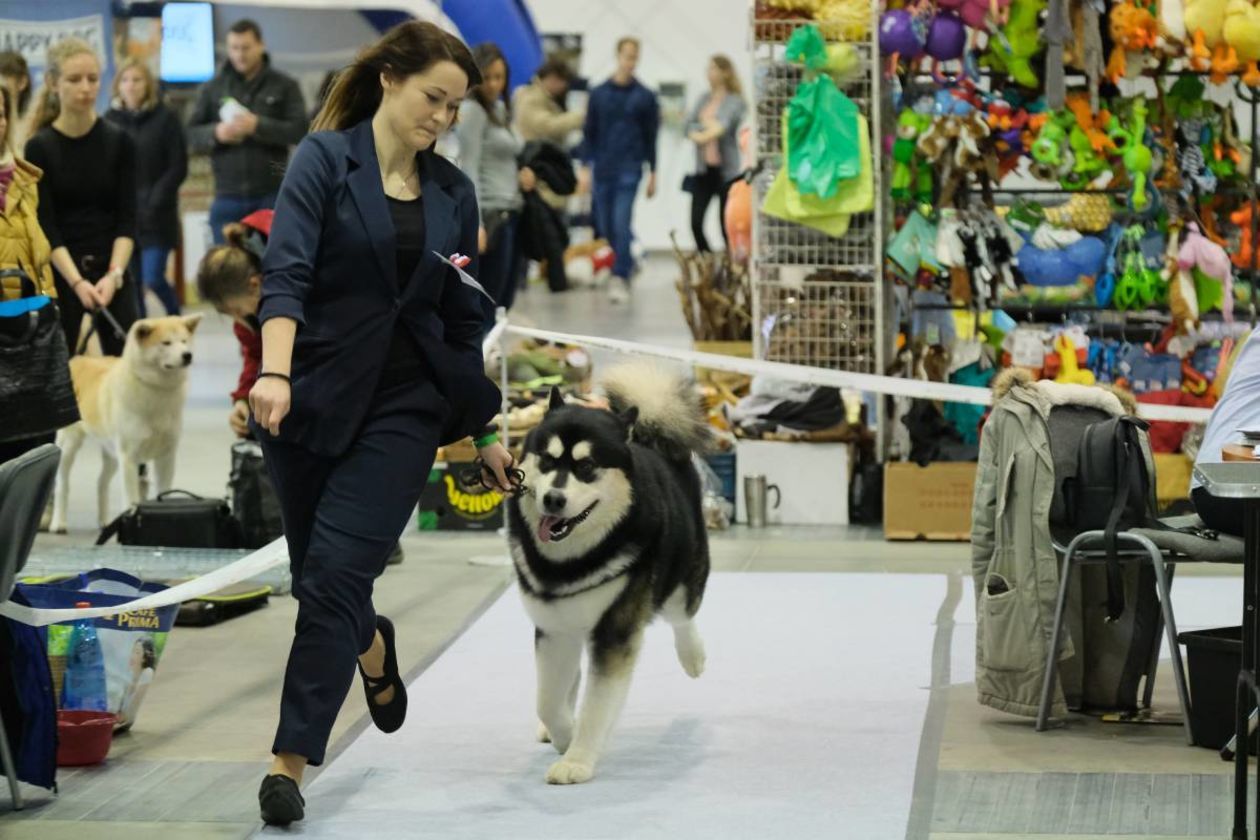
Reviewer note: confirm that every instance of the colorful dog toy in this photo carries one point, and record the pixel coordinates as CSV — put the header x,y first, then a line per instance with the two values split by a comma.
x,y
1069,370
1242,32
1133,29
1131,143
1205,21
1017,43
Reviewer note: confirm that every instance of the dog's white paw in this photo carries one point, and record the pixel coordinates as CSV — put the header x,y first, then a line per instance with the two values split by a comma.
x,y
692,659
566,772
60,529
544,737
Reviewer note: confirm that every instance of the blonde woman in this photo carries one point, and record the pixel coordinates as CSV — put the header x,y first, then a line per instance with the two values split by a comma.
x,y
161,166
714,129
87,198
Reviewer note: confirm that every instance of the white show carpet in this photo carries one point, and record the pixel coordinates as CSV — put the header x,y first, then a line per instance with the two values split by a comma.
x,y
805,725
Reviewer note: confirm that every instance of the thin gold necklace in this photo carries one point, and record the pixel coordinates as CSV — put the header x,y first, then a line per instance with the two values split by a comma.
x,y
404,186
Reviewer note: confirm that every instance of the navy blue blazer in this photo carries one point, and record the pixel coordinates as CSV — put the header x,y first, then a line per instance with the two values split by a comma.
x,y
330,266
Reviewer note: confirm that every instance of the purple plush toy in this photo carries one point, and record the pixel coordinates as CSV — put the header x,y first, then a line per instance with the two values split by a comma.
x,y
947,37
902,33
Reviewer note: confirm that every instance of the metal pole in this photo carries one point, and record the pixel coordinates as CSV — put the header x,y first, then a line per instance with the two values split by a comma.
x,y
500,317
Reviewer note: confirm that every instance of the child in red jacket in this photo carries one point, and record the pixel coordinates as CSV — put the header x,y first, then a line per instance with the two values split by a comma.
x,y
230,279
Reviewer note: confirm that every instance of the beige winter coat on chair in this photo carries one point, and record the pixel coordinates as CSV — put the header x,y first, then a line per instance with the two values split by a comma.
x,y
1013,559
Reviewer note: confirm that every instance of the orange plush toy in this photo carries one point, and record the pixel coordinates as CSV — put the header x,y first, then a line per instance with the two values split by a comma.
x,y
1242,220
1133,29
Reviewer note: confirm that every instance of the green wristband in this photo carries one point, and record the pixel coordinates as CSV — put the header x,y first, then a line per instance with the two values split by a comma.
x,y
488,440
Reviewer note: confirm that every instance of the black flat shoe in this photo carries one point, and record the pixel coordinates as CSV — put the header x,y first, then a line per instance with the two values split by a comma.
x,y
280,800
388,717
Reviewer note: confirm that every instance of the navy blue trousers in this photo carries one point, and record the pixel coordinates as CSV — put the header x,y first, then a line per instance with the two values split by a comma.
x,y
342,517
614,208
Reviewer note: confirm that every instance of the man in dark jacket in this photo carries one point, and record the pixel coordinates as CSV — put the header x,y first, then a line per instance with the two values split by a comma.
x,y
622,118
246,117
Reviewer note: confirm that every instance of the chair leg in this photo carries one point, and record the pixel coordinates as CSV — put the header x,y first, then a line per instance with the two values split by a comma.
x,y
10,769
1170,632
1152,669
1052,654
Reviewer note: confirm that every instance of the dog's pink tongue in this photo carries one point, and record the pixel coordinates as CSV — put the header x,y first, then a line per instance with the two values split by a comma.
x,y
544,527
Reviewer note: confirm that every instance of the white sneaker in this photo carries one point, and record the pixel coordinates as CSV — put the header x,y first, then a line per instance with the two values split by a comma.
x,y
618,290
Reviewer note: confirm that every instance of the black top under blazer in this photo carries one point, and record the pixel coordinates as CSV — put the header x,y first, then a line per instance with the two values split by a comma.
x,y
330,266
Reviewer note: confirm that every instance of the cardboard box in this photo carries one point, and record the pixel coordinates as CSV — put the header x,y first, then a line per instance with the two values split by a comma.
x,y
448,504
930,503
813,480
736,349
1172,477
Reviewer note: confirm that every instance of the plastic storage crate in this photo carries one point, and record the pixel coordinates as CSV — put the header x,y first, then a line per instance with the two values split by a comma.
x,y
1213,659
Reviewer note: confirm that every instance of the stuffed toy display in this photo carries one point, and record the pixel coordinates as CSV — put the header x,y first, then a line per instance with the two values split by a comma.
x,y
1065,180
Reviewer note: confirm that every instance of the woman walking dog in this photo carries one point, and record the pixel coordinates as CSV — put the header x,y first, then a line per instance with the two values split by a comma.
x,y
371,359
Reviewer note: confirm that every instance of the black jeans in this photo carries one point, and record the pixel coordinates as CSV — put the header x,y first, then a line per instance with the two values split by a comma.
x,y
708,184
125,307
499,274
1224,515
342,518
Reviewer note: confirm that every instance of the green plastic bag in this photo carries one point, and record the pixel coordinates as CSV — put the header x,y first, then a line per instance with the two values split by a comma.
x,y
807,46
831,216
823,138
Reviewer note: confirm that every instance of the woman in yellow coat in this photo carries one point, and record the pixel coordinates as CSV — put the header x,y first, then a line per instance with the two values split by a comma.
x,y
23,247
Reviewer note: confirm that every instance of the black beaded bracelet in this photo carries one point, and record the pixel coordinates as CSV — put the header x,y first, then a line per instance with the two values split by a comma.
x,y
283,376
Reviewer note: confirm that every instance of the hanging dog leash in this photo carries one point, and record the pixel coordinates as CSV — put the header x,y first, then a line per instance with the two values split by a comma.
x,y
480,473
110,319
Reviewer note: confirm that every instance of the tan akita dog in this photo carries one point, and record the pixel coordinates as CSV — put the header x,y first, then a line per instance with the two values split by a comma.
x,y
133,406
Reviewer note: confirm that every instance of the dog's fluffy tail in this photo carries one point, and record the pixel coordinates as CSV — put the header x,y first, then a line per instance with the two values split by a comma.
x,y
671,415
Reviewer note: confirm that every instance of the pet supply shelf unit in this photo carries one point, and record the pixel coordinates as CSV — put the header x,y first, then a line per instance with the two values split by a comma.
x,y
817,299
1048,314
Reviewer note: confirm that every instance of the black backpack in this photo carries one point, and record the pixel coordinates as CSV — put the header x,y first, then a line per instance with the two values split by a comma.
x,y
1113,490
254,501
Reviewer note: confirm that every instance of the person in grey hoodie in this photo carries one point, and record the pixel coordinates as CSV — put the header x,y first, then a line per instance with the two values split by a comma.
x,y
488,148
246,118
713,127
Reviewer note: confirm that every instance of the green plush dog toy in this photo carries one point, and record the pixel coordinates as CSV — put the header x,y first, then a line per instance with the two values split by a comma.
x,y
1017,43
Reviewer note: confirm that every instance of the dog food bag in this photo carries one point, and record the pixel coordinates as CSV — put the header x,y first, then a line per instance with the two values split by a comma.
x,y
131,643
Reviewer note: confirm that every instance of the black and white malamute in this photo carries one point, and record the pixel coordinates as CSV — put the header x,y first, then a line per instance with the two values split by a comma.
x,y
609,535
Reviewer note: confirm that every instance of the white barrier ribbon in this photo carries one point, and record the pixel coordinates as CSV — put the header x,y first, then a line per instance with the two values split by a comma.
x,y
893,385
275,553
252,565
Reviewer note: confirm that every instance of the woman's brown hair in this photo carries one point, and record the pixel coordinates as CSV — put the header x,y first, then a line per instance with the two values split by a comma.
x,y
409,48
486,55
13,65
225,269
48,106
150,83
7,145
729,77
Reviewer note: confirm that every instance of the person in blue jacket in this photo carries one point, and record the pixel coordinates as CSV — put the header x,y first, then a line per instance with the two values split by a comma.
x,y
622,120
371,358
